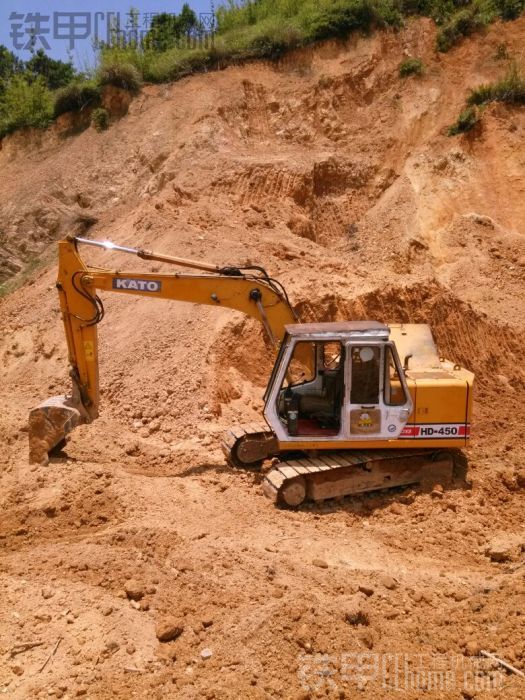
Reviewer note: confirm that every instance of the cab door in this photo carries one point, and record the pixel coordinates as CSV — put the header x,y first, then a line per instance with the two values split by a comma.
x,y
378,402
364,381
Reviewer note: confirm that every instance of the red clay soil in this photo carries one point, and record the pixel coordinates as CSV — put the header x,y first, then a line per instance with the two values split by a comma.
x,y
337,176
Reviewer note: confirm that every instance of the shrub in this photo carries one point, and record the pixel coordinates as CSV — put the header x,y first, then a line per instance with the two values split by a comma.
x,y
412,66
509,9
502,52
122,75
25,103
466,121
462,24
100,119
339,19
273,40
389,13
76,97
266,46
174,64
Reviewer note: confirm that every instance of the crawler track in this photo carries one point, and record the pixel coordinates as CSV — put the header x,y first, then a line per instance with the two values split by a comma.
x,y
247,446
337,474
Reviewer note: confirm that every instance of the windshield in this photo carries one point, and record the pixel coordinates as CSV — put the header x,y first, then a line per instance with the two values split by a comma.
x,y
277,364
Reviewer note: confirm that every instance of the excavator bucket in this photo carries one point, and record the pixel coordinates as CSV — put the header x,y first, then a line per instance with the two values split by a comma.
x,y
49,424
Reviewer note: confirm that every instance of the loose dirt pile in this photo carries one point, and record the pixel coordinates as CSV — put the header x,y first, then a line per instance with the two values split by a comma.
x,y
337,176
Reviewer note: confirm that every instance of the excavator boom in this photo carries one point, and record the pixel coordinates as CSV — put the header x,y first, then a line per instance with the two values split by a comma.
x,y
247,289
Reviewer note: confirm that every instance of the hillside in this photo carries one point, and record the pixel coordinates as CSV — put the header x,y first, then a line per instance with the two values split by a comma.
x,y
337,176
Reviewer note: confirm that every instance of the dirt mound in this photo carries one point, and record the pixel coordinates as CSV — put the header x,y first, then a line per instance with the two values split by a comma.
x,y
462,335
337,176
66,511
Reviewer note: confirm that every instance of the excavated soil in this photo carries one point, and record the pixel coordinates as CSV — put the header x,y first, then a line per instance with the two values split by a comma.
x,y
338,177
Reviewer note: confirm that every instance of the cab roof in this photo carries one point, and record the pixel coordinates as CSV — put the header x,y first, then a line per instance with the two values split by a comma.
x,y
358,327
413,339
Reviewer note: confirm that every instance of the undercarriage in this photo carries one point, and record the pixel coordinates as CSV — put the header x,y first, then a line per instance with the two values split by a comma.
x,y
319,475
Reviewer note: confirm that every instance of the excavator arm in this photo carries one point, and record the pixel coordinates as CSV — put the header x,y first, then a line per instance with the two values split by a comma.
x,y
248,289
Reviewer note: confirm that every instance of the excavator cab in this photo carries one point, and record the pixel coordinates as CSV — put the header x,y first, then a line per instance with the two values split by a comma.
x,y
337,381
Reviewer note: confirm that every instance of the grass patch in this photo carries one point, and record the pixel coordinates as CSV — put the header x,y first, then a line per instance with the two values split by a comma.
x,y
412,66
176,63
466,121
510,89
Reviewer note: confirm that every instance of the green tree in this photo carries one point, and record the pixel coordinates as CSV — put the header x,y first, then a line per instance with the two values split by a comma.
x,y
187,20
56,73
25,103
161,33
167,29
9,65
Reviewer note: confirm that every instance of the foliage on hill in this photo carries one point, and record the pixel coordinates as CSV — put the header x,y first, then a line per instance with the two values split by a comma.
x,y
26,89
176,45
33,92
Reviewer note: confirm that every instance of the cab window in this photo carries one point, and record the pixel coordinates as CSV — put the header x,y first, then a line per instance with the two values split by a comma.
x,y
394,393
331,355
301,368
365,374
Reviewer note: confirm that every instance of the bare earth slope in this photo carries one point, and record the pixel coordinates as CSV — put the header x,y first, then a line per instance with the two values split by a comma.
x,y
337,176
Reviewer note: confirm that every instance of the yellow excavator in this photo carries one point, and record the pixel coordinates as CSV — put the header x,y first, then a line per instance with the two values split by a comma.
x,y
343,414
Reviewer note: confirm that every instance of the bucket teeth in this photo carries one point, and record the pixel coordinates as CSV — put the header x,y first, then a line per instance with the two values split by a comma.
x,y
49,424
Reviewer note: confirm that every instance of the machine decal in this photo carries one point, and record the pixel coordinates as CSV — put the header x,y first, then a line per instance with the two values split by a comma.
x,y
365,421
436,431
137,285
89,351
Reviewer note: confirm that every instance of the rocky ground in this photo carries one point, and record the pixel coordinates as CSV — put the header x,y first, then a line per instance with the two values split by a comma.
x,y
137,564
